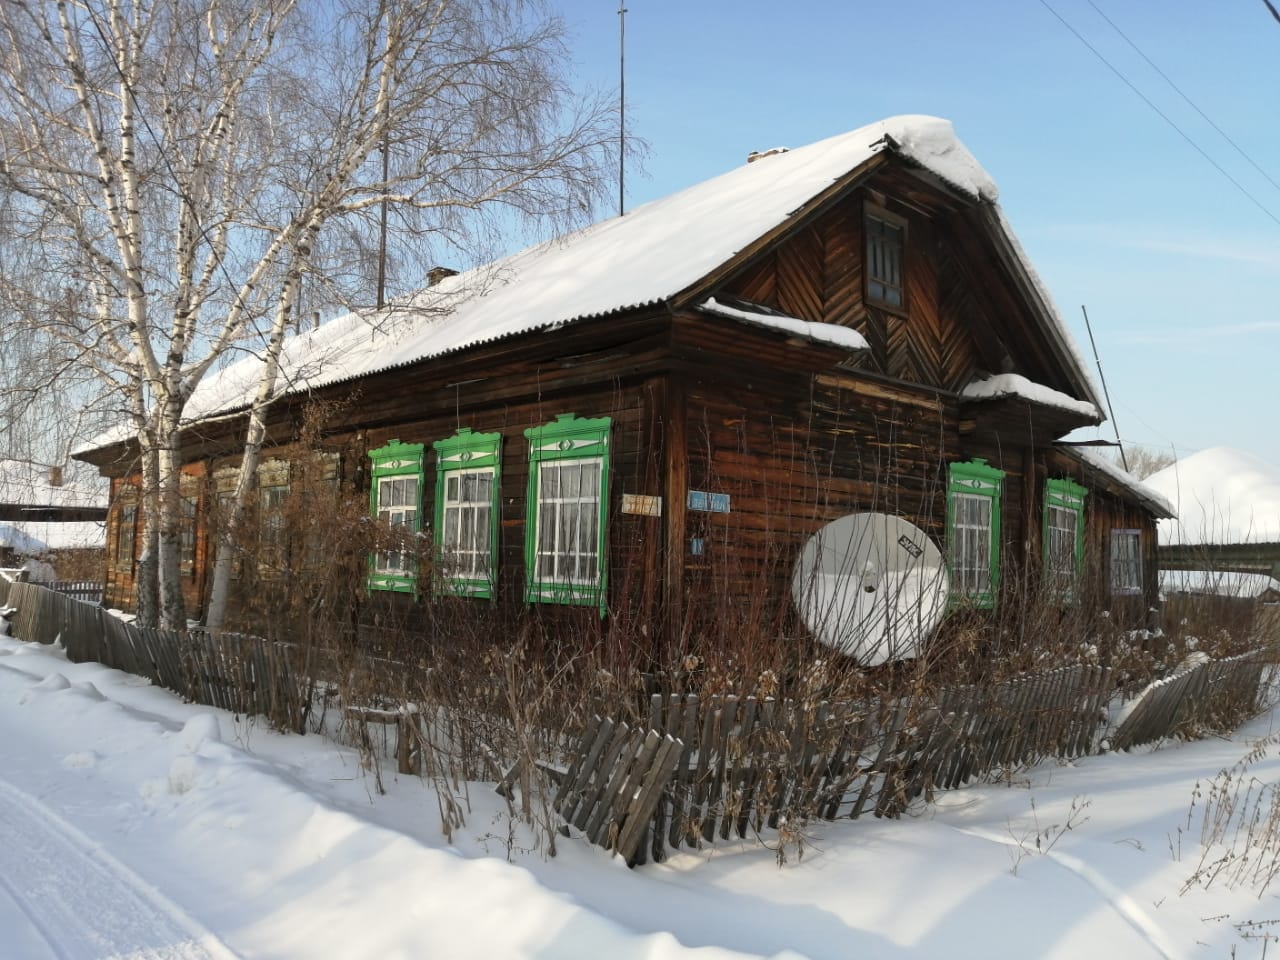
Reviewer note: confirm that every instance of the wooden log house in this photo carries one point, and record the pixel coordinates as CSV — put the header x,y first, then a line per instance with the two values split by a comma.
x,y
651,415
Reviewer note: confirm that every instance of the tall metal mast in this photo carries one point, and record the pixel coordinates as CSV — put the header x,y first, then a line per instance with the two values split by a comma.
x,y
1111,414
622,107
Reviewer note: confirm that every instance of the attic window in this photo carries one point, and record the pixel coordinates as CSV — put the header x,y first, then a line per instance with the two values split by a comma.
x,y
886,237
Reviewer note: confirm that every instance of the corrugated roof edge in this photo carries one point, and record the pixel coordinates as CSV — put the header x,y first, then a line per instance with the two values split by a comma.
x,y
1160,507
926,142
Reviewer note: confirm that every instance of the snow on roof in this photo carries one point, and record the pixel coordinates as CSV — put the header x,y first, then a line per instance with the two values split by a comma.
x,y
1222,495
1156,501
831,333
649,256
64,535
12,538
1016,385
1218,582
27,485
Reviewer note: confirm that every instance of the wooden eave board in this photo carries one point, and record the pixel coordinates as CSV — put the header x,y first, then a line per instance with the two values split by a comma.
x,y
695,333
1028,420
710,282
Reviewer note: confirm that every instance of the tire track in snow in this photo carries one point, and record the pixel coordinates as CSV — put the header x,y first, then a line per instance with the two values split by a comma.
x,y
1115,898
82,900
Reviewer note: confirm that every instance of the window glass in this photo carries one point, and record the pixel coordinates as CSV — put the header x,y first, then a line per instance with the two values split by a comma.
x,y
187,535
1126,562
1063,547
884,261
397,507
565,524
467,506
395,492
973,534
468,468
971,544
126,534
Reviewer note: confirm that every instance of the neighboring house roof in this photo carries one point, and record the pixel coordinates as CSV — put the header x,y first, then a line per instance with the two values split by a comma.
x,y
1222,496
19,541
1141,491
27,493
64,535
1219,583
653,255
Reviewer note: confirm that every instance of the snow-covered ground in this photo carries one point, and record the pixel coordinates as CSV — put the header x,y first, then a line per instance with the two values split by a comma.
x,y
135,826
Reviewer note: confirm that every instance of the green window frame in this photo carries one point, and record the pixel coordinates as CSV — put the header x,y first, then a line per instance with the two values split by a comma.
x,y
468,478
567,511
395,496
1063,536
974,490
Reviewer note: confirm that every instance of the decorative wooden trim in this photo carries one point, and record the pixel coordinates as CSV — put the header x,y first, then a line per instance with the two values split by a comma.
x,y
468,451
977,478
396,459
568,437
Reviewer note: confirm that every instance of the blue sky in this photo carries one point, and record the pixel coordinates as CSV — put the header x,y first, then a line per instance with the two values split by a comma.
x,y
1179,269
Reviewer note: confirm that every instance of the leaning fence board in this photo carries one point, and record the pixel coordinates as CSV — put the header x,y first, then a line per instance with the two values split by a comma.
x,y
596,782
644,802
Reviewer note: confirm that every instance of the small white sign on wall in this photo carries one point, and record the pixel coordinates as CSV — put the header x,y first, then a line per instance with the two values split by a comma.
x,y
642,506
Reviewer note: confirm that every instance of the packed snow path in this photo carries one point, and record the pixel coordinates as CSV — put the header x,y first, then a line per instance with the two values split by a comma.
x,y
73,900
277,847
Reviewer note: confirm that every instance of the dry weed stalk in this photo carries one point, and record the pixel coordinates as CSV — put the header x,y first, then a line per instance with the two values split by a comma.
x,y
479,689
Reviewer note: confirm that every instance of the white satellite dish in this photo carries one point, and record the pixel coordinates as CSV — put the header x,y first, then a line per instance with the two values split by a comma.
x,y
871,586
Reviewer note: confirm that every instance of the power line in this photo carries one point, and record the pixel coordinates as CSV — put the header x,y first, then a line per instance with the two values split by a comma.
x,y
1165,117
1239,149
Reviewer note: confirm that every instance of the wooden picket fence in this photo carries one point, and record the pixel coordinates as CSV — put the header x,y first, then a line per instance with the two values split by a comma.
x,y
615,783
1219,694
238,673
87,591
746,764
701,769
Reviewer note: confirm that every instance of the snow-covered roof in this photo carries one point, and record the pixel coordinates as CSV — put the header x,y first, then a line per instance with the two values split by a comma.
x,y
831,333
1157,502
27,485
1218,583
652,255
17,540
1016,385
66,535
1222,496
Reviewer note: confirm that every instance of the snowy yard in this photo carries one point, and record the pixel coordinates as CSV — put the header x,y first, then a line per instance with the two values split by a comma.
x,y
135,826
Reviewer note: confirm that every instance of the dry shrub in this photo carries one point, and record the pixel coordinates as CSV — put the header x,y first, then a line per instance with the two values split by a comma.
x,y
1238,818
476,690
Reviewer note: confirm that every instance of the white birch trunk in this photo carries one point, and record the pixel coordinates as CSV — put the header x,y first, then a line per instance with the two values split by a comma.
x,y
220,591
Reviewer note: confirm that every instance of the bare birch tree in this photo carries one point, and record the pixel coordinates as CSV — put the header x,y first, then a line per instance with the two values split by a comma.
x,y
178,163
